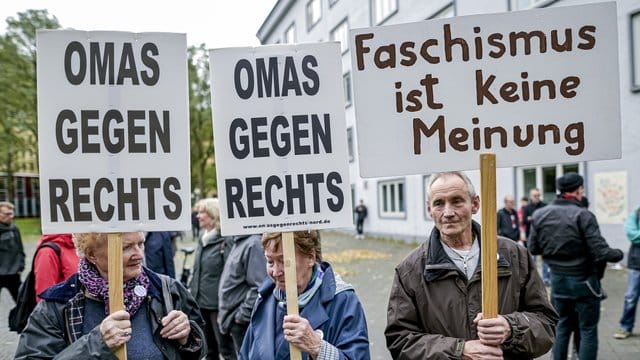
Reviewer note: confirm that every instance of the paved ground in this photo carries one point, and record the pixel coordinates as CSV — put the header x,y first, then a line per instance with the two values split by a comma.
x,y
368,264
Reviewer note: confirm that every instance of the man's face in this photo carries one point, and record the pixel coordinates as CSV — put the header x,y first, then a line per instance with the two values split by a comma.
x,y
509,203
534,195
451,207
6,215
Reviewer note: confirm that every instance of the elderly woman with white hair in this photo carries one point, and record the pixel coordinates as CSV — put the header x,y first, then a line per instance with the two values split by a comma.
x,y
73,322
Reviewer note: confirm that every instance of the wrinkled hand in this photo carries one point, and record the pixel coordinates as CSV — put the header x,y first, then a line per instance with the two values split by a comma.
x,y
492,332
475,350
116,329
176,326
300,334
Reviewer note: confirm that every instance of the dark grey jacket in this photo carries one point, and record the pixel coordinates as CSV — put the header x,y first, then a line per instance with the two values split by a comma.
x,y
54,330
244,271
568,237
11,250
207,268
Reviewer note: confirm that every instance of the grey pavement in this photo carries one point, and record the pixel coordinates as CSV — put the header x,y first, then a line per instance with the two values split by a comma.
x,y
368,264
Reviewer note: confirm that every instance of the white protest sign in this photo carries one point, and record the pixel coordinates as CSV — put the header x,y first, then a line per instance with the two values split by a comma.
x,y
280,138
113,131
533,87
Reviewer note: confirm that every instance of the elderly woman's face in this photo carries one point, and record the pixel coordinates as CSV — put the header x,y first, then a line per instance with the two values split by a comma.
x,y
204,219
132,256
275,267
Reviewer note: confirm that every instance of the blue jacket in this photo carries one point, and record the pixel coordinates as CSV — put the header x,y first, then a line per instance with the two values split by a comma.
x,y
334,309
158,253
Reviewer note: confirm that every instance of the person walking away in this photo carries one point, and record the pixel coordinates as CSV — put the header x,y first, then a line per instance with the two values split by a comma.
x,y
244,270
205,282
508,224
11,251
632,230
568,237
361,214
158,253
435,303
195,224
48,268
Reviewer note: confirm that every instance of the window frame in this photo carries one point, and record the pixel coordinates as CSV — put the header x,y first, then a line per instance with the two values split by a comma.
x,y
442,10
308,15
348,90
343,22
382,20
332,3
351,145
285,36
400,199
513,4
634,49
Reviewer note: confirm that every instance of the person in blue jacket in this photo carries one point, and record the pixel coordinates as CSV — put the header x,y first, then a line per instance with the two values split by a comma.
x,y
331,324
158,253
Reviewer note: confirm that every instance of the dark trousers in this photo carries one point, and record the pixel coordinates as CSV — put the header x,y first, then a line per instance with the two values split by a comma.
x,y
576,296
223,342
237,332
359,223
12,283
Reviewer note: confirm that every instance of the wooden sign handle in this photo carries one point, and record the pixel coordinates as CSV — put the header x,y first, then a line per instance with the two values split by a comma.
x,y
489,244
291,284
116,301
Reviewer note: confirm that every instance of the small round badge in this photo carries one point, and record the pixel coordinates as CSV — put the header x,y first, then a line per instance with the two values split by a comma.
x,y
140,290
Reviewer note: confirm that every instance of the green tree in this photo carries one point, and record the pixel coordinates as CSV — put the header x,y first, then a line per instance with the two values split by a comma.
x,y
203,175
18,107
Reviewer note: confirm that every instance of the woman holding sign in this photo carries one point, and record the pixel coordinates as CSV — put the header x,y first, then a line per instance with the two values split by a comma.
x,y
331,323
73,320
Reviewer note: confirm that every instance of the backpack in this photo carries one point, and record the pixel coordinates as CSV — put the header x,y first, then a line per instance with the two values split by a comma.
x,y
26,300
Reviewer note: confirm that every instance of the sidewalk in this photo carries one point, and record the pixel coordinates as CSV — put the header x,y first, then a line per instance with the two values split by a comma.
x,y
369,265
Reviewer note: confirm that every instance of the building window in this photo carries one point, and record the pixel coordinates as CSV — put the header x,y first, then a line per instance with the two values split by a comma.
x,y
391,198
290,34
446,12
544,178
346,83
341,33
635,51
3,189
314,13
528,4
333,2
383,9
350,146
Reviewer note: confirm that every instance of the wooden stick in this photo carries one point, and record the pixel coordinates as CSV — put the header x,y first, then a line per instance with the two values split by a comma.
x,y
116,301
489,244
291,283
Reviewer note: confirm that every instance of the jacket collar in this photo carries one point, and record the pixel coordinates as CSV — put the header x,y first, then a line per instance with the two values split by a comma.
x,y
438,265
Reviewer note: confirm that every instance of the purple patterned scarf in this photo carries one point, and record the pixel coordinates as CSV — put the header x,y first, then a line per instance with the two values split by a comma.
x,y
135,289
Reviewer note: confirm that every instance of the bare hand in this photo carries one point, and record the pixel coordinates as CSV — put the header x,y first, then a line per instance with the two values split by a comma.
x,y
116,329
176,326
474,349
299,333
492,332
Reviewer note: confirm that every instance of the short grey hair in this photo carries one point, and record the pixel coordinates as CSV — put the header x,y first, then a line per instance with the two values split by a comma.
x,y
435,176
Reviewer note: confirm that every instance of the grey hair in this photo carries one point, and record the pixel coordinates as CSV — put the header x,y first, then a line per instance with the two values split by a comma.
x,y
435,176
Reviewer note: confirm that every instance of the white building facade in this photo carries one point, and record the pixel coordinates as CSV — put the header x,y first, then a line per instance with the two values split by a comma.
x,y
397,205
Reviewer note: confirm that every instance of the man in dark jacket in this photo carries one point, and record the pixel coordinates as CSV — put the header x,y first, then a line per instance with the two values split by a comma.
x,y
568,237
435,302
244,271
11,251
508,224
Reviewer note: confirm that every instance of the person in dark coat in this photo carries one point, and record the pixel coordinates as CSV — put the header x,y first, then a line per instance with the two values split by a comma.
x,y
631,296
361,214
11,251
331,323
568,237
158,253
508,224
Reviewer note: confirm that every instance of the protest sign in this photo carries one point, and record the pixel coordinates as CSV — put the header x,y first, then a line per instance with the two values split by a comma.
x,y
113,131
280,138
533,87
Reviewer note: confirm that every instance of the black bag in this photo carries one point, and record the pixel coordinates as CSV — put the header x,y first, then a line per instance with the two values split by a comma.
x,y
26,301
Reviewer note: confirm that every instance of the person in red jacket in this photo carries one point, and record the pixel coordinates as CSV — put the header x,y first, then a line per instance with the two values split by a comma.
x,y
48,269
